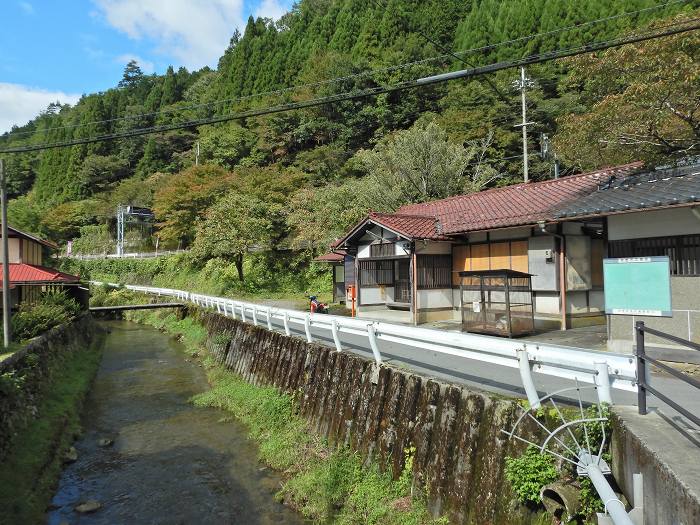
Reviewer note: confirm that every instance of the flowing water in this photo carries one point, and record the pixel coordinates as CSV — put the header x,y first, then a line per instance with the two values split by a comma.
x,y
170,462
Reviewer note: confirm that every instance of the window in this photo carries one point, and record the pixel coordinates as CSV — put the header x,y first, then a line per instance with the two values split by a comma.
x,y
434,271
385,249
683,251
376,273
509,255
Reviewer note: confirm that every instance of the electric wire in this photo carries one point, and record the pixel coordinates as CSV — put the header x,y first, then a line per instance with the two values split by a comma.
x,y
281,91
449,52
670,29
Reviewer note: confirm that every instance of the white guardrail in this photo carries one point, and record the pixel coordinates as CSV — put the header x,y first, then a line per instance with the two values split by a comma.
x,y
606,370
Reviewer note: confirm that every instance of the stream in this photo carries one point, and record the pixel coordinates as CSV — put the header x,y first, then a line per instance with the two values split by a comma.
x,y
170,462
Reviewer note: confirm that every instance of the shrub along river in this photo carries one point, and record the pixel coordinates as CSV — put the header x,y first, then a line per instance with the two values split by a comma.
x,y
147,455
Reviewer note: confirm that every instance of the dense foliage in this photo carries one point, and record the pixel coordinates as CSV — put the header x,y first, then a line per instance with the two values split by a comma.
x,y
317,171
530,472
35,318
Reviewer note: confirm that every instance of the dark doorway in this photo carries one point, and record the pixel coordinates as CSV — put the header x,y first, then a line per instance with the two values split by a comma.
x,y
402,281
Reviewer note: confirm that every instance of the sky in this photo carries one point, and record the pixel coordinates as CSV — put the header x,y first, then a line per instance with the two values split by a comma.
x,y
53,50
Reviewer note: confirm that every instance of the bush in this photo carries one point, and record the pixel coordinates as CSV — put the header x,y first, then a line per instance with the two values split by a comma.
x,y
53,309
530,472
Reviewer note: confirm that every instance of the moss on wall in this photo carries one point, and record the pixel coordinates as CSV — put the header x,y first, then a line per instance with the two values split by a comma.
x,y
460,451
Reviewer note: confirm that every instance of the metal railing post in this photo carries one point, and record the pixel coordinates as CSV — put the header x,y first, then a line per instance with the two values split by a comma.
x,y
233,310
307,328
372,336
255,316
336,338
603,383
269,319
286,324
526,377
243,313
641,368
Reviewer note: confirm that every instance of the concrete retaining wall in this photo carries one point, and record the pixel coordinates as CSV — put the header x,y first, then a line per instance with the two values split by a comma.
x,y
668,460
459,447
24,375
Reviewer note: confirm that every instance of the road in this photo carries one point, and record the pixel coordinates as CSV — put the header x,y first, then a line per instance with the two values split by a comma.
x,y
500,379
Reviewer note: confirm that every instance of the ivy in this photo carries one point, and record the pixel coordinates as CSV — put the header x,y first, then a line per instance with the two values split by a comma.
x,y
530,472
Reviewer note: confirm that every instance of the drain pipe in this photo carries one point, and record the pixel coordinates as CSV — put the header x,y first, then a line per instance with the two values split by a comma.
x,y
562,269
695,210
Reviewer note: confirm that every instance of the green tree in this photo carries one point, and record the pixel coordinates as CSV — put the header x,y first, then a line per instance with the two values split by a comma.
x,y
420,164
318,216
642,103
98,173
233,226
132,75
226,145
179,204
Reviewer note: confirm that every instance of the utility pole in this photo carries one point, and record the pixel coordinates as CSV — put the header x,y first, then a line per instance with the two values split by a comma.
x,y
546,153
120,230
6,312
196,155
522,84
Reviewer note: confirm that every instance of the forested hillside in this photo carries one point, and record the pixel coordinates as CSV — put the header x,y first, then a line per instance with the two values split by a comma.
x,y
298,179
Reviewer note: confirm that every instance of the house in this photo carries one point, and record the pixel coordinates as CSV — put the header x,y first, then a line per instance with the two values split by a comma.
x,y
559,231
647,214
28,276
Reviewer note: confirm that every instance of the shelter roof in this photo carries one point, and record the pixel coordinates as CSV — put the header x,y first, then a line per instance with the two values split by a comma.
x,y
22,273
332,257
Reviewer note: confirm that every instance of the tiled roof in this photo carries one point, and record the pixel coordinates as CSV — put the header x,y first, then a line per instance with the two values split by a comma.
x,y
516,205
331,257
32,273
412,226
646,190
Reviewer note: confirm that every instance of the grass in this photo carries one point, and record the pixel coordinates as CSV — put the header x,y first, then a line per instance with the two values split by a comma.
x,y
29,473
324,483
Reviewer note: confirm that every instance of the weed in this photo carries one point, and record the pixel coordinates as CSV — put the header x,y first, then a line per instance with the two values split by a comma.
x,y
530,472
28,473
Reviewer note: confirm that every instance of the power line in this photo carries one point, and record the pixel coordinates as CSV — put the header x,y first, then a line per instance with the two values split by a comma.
x,y
449,52
671,29
278,92
490,47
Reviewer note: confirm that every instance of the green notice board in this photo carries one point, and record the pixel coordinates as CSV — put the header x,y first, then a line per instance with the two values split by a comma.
x,y
637,286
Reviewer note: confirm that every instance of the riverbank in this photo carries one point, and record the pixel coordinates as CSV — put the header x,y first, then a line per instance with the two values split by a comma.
x,y
323,482
44,385
148,455
420,445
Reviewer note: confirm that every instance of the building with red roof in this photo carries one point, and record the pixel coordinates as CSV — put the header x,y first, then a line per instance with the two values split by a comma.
x,y
28,276
559,231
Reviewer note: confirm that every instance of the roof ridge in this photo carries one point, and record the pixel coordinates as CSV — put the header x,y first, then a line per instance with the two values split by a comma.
x,y
406,215
532,184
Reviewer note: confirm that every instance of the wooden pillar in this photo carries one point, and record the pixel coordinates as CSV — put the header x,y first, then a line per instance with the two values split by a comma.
x,y
414,285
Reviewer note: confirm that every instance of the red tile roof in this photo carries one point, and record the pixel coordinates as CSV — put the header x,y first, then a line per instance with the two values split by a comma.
x,y
412,226
331,257
34,274
516,205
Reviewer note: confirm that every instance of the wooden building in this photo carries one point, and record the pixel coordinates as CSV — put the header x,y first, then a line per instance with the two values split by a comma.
x,y
559,231
28,275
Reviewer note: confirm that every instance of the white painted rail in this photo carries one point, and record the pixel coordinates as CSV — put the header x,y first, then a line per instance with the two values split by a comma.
x,y
607,370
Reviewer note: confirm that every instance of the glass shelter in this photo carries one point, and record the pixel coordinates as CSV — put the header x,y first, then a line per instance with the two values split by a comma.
x,y
497,302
